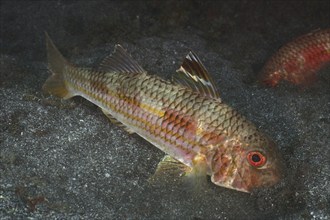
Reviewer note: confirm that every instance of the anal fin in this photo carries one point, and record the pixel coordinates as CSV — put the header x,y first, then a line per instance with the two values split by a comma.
x,y
116,122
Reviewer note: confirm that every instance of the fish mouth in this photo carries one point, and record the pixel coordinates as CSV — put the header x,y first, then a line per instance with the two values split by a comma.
x,y
262,179
270,180
251,178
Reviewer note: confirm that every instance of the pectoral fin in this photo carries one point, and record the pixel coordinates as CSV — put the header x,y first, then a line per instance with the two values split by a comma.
x,y
170,169
196,178
169,166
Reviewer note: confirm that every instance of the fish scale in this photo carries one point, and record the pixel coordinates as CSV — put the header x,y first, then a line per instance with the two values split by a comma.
x,y
299,60
188,122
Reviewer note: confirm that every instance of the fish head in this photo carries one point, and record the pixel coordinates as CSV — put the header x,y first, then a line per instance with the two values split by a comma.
x,y
245,167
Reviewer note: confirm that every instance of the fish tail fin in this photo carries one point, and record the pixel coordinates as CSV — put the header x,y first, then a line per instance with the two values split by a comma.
x,y
55,84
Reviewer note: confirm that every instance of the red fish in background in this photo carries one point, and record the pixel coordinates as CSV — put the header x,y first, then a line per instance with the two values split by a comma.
x,y
299,60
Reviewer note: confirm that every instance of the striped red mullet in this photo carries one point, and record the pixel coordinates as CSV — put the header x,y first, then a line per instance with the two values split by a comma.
x,y
299,60
186,118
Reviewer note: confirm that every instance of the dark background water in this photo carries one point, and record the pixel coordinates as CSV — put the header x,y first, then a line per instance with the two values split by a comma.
x,y
65,156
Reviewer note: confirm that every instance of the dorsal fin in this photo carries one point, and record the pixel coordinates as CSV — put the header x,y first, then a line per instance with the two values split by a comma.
x,y
194,75
120,61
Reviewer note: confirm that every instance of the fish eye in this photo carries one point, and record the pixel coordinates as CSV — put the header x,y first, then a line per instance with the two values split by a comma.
x,y
256,159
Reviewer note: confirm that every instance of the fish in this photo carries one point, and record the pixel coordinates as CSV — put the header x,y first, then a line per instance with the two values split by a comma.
x,y
183,117
299,60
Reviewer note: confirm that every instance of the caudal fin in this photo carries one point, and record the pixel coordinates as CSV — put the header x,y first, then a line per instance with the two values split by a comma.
x,y
55,84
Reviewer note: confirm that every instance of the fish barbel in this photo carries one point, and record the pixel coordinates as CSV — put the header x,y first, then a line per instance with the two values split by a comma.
x,y
186,118
299,60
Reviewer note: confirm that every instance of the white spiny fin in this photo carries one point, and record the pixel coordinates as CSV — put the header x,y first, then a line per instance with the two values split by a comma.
x,y
169,168
194,75
116,122
121,62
